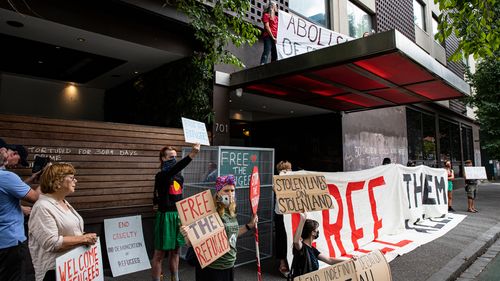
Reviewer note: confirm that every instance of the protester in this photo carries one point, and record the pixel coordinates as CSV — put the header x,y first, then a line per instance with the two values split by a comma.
x,y
54,225
211,174
270,33
471,190
283,167
451,176
410,163
13,247
222,269
168,187
305,257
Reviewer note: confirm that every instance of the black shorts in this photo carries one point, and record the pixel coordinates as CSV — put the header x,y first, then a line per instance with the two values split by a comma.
x,y
13,263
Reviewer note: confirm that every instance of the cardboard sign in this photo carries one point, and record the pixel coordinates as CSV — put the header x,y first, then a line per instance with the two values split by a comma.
x,y
475,173
255,189
195,131
205,228
82,263
372,267
125,245
301,193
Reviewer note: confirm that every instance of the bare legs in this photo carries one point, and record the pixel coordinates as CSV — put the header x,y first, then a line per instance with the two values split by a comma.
x,y
173,263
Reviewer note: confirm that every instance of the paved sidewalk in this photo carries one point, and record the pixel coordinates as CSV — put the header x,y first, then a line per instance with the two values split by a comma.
x,y
442,259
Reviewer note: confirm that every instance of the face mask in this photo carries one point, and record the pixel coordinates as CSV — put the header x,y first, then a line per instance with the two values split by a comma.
x,y
225,199
167,165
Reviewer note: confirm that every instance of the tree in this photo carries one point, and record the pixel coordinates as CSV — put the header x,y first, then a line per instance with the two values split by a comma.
x,y
475,22
486,82
215,27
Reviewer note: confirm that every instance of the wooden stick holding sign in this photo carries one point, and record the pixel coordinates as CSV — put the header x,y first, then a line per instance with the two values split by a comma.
x,y
301,193
254,202
205,228
369,267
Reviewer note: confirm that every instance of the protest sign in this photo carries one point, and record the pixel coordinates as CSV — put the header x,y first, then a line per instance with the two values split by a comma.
x,y
194,131
297,35
205,228
372,266
81,263
254,202
301,193
475,173
124,238
385,208
255,190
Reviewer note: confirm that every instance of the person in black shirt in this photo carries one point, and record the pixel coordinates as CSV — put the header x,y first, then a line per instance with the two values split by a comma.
x,y
305,257
168,190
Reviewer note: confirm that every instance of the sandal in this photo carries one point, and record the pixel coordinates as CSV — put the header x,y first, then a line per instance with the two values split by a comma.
x,y
471,211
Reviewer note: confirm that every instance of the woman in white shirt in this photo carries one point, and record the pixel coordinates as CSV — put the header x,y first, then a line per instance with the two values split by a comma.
x,y
54,226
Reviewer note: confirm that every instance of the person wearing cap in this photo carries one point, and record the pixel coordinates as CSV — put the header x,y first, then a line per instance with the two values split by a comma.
x,y
222,269
13,247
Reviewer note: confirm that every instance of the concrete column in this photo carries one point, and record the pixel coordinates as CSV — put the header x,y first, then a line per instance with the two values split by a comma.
x,y
220,107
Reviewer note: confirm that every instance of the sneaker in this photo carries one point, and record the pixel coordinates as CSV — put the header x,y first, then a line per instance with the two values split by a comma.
x,y
450,209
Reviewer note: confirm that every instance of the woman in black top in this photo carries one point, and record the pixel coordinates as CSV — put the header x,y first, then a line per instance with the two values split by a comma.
x,y
305,257
168,190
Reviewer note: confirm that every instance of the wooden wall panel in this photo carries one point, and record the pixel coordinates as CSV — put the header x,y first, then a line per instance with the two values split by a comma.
x,y
115,163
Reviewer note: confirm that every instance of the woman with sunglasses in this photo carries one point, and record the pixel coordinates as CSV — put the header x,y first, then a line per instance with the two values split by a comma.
x,y
54,226
305,257
222,269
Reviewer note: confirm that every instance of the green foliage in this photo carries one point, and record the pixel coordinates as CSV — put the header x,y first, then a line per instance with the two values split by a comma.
x,y
486,82
476,23
215,27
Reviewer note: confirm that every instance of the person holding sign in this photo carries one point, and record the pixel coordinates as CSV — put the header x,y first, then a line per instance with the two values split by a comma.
x,y
471,190
270,33
168,190
305,257
451,176
222,269
54,226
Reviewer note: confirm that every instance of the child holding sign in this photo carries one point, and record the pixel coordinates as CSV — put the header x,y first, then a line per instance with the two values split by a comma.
x,y
305,257
222,269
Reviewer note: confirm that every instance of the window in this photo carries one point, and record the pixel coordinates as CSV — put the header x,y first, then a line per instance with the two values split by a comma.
x,y
434,28
314,10
421,134
468,145
359,20
419,14
449,141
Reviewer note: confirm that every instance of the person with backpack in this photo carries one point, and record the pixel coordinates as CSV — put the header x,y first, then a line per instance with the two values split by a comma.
x,y
167,191
305,256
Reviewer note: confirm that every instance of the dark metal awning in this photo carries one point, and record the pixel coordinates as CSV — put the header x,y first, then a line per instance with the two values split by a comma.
x,y
381,70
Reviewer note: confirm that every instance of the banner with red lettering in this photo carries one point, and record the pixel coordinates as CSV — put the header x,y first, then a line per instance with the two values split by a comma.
x,y
392,208
125,245
297,35
206,231
81,263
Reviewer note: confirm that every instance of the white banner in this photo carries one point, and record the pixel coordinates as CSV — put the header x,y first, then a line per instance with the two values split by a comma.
x,y
392,208
125,245
297,36
81,263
